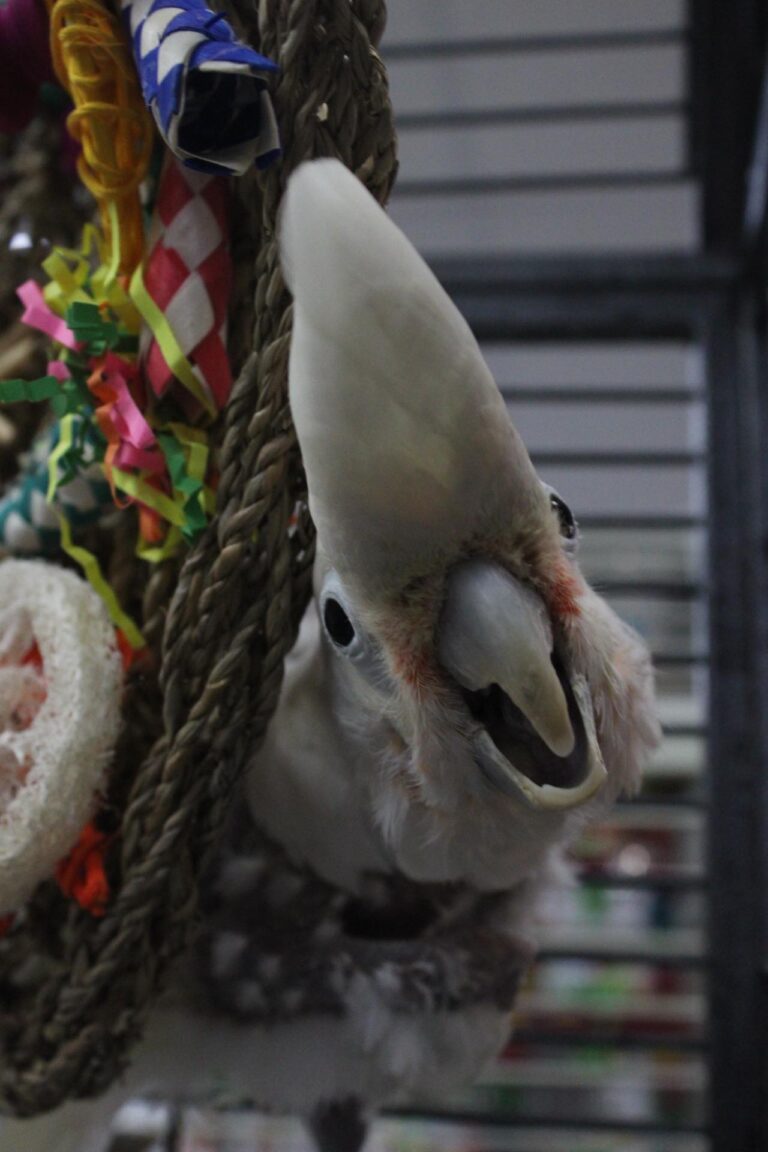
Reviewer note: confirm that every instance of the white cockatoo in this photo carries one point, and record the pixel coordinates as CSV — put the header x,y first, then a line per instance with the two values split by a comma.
x,y
459,704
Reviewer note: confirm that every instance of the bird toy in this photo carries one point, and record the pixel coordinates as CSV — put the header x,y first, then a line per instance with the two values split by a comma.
x,y
187,277
362,876
206,89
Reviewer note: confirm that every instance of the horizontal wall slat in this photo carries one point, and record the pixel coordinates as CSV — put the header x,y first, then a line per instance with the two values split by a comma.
x,y
633,522
609,75
640,394
597,363
679,490
593,112
563,41
650,220
514,151
421,20
574,181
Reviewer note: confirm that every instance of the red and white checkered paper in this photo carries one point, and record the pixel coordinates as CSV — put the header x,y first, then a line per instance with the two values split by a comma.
x,y
188,274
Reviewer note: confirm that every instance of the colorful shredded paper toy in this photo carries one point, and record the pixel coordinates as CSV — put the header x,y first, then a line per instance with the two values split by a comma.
x,y
60,688
131,429
114,438
205,89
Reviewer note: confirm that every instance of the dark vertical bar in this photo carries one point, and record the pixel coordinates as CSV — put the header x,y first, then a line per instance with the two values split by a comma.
x,y
728,50
738,825
756,203
759,351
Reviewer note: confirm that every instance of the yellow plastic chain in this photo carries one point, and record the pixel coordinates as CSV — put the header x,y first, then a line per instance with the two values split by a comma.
x,y
93,61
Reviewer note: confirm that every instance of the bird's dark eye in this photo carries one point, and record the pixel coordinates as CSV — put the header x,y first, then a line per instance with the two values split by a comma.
x,y
568,526
337,624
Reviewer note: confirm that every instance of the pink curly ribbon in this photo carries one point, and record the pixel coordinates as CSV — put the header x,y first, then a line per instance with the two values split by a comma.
x,y
38,315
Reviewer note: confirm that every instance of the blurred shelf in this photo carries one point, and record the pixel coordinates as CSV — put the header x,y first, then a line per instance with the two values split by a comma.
x,y
610,1072
677,878
676,946
674,1008
252,1132
649,814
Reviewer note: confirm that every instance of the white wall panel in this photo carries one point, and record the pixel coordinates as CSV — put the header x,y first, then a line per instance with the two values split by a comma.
x,y
448,20
525,80
635,219
651,144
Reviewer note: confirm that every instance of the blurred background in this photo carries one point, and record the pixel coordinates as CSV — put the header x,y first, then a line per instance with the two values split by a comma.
x,y
588,179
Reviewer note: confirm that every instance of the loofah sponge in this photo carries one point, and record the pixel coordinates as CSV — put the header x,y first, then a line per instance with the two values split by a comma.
x,y
60,683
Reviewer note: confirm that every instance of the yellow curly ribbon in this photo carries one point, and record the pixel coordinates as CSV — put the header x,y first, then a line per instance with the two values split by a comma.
x,y
157,322
138,489
68,270
155,554
95,578
66,440
90,274
195,441
93,61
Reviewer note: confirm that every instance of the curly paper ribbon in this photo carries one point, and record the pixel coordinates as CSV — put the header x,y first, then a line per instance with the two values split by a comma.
x,y
95,577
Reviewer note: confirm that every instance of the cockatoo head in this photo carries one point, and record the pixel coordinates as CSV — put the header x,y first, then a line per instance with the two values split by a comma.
x,y
499,697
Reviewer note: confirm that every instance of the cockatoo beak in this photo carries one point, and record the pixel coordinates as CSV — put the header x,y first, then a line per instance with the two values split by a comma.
x,y
412,464
407,444
534,733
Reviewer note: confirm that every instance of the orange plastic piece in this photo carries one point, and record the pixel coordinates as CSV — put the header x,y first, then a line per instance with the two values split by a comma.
x,y
81,876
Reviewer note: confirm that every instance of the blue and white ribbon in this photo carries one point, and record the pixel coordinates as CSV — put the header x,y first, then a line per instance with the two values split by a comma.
x,y
204,87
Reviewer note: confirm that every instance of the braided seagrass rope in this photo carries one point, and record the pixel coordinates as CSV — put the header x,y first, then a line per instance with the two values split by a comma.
x,y
230,622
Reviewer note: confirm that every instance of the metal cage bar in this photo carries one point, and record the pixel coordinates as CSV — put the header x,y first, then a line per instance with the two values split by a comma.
x,y
712,302
738,825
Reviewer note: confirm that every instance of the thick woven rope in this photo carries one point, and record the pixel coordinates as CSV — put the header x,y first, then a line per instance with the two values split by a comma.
x,y
74,991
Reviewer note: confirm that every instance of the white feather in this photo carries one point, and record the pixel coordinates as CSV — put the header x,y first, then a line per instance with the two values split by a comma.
x,y
404,434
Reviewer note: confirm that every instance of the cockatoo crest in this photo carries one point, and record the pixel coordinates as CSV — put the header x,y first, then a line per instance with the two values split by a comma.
x,y
403,430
